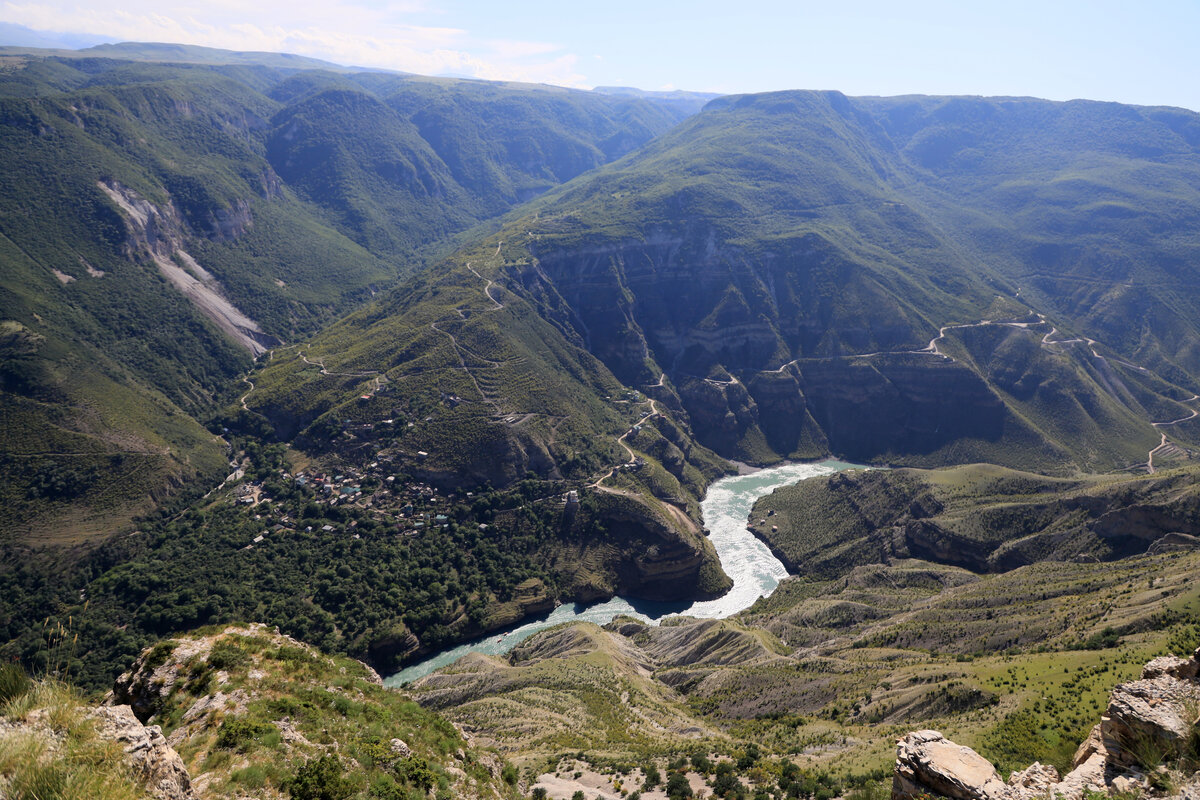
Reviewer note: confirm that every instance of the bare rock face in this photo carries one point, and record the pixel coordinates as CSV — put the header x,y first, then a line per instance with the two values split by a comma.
x,y
1147,721
1151,717
929,763
1175,667
149,756
148,681
1033,783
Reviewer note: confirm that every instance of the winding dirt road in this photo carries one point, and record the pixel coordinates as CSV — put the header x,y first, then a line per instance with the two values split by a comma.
x,y
621,441
1048,341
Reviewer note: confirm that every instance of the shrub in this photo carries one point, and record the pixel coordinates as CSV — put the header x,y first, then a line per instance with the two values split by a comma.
x,y
320,779
678,786
384,788
237,733
226,654
13,682
159,654
1102,640
416,772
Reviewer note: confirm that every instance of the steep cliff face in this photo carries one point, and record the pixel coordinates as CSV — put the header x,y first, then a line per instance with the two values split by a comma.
x,y
647,549
794,348
977,517
758,344
802,231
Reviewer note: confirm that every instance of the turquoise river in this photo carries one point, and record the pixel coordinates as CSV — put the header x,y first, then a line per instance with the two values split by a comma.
x,y
726,510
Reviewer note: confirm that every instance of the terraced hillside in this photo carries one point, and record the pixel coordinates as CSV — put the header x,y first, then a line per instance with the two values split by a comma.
x,y
163,222
787,278
980,517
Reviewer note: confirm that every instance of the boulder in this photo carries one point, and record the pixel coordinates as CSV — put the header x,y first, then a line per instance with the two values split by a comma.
x,y
1093,744
1174,666
1149,719
928,763
1033,783
1089,775
147,753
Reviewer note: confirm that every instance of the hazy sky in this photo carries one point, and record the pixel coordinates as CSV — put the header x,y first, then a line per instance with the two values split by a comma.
x,y
1144,52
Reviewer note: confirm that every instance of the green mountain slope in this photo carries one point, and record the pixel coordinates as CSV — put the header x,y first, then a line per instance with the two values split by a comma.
x,y
161,222
979,517
786,275
793,229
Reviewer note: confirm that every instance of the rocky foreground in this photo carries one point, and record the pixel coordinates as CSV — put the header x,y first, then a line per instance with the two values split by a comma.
x,y
234,712
1147,744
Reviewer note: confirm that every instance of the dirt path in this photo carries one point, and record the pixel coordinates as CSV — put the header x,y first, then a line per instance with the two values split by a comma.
x,y
677,515
463,364
930,349
621,441
321,364
1150,456
1165,447
487,290
247,394
1048,341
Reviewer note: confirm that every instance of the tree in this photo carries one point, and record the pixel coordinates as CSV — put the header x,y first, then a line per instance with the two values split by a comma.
x,y
678,786
320,779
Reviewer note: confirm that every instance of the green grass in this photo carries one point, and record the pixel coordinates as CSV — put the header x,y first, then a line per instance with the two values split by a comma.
x,y
297,704
78,765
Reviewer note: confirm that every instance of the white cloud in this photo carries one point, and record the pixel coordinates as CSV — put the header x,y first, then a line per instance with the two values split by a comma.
x,y
349,32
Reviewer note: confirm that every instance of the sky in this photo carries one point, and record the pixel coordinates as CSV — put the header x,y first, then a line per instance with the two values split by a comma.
x,y
1143,53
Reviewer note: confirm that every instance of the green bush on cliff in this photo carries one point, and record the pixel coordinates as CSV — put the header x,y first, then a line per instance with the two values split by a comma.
x,y
320,779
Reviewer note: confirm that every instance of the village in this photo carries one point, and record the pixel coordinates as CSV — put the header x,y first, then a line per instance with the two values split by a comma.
x,y
337,499
337,503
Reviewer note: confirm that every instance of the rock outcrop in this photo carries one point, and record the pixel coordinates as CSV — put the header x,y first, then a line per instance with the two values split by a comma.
x,y
1154,717
1148,722
151,759
929,763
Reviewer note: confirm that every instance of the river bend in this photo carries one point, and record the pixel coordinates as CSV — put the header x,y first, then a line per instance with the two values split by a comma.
x,y
748,562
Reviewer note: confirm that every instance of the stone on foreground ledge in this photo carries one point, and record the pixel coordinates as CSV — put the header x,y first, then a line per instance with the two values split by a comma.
x,y
929,763
1148,719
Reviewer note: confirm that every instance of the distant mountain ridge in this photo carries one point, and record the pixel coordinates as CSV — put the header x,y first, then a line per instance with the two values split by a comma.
x,y
164,52
677,98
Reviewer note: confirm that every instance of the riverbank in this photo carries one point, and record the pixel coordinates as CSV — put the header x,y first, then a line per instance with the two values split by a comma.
x,y
749,562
